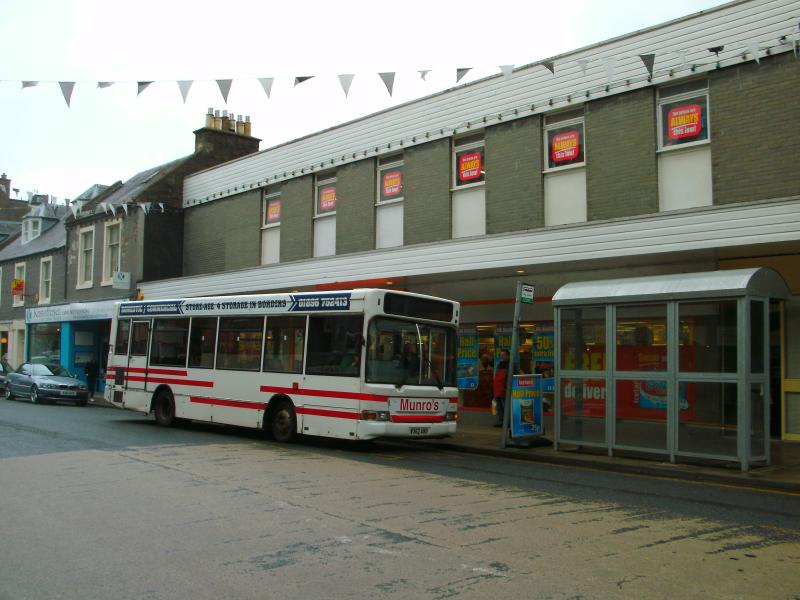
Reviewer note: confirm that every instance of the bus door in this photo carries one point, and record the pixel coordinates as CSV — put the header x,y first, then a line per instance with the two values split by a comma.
x,y
137,357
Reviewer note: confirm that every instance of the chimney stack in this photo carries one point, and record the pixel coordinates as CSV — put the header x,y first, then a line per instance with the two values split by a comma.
x,y
217,120
228,134
210,118
247,126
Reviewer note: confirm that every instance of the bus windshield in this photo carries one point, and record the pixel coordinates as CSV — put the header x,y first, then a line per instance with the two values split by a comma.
x,y
407,353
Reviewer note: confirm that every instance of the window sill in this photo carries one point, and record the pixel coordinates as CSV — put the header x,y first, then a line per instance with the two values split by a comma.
x,y
468,186
679,147
553,170
271,226
389,202
85,285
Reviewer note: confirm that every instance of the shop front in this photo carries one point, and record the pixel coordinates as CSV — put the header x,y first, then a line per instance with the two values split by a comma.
x,y
72,335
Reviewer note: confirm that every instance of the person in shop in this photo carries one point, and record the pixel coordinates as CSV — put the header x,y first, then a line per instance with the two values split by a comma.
x,y
92,371
501,386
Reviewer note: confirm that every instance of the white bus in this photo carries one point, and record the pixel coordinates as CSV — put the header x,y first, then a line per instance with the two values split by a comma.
x,y
358,365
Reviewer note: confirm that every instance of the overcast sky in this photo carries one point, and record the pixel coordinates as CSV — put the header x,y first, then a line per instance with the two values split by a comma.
x,y
111,134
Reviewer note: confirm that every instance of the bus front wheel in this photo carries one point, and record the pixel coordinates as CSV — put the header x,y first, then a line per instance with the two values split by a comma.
x,y
164,409
283,422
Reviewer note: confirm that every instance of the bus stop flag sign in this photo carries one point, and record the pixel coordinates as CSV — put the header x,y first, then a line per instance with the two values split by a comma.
x,y
526,295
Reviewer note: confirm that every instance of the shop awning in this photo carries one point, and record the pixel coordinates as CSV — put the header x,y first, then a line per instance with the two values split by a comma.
x,y
762,282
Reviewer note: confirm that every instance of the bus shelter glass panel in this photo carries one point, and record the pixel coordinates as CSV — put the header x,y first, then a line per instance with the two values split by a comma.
x,y
757,333
583,410
709,424
583,334
641,413
707,337
757,439
642,338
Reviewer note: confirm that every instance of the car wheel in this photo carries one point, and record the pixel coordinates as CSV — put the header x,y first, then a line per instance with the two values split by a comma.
x,y
35,395
9,395
283,422
164,409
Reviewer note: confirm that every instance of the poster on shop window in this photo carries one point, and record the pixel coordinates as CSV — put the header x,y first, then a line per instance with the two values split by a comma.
x,y
467,359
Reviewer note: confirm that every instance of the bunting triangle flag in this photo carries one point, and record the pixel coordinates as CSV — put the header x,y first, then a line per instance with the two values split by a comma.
x,y
423,74
104,84
346,81
681,54
184,87
27,84
161,206
648,60
146,207
299,80
461,72
74,209
125,208
266,83
388,80
507,70
583,63
225,88
550,66
66,89
142,86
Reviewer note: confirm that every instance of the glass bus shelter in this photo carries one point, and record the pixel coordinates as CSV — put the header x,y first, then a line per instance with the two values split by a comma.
x,y
675,365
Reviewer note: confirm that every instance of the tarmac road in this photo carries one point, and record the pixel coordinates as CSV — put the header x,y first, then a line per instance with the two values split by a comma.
x,y
99,503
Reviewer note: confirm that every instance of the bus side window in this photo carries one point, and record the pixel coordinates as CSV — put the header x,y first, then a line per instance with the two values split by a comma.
x,y
201,342
283,351
334,345
170,338
239,344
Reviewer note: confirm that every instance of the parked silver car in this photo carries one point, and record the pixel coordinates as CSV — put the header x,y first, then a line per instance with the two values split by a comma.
x,y
42,383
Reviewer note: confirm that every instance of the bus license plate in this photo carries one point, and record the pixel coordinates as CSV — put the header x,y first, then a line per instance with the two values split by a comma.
x,y
418,430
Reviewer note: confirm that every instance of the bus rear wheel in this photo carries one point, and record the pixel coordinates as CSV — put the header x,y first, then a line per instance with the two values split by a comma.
x,y
283,422
164,409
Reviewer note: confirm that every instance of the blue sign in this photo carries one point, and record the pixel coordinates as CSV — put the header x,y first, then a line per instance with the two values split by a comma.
x,y
467,363
526,406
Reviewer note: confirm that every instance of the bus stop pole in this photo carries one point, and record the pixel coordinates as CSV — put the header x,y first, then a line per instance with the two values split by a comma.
x,y
512,363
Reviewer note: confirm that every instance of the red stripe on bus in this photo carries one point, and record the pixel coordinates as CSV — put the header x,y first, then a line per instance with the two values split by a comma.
x,y
324,393
187,382
303,410
416,418
231,403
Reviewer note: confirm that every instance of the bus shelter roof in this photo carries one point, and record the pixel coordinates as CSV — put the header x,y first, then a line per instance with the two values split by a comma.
x,y
762,282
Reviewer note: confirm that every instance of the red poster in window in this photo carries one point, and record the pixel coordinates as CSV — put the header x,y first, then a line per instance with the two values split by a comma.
x,y
273,211
392,184
684,121
327,199
17,287
565,146
469,166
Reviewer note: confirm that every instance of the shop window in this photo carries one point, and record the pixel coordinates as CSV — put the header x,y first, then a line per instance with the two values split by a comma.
x,y
239,343
45,343
389,203
170,340
283,351
112,255
469,191
123,334
85,257
45,279
334,345
18,285
325,216
564,169
684,161
202,340
271,229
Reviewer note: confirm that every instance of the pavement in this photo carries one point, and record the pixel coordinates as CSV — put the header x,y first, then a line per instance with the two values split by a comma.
x,y
783,474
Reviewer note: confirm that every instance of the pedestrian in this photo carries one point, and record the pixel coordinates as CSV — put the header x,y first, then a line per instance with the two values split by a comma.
x,y
92,372
500,386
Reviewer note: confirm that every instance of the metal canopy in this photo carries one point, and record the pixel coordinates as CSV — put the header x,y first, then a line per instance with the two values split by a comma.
x,y
762,282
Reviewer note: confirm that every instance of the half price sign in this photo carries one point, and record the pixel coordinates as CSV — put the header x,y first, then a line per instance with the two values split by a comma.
x,y
684,121
565,146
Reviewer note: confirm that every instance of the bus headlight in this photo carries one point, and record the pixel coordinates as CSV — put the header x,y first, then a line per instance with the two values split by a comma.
x,y
451,416
374,415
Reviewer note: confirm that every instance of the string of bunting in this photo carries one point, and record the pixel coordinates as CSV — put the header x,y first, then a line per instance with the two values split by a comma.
x,y
753,49
754,52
